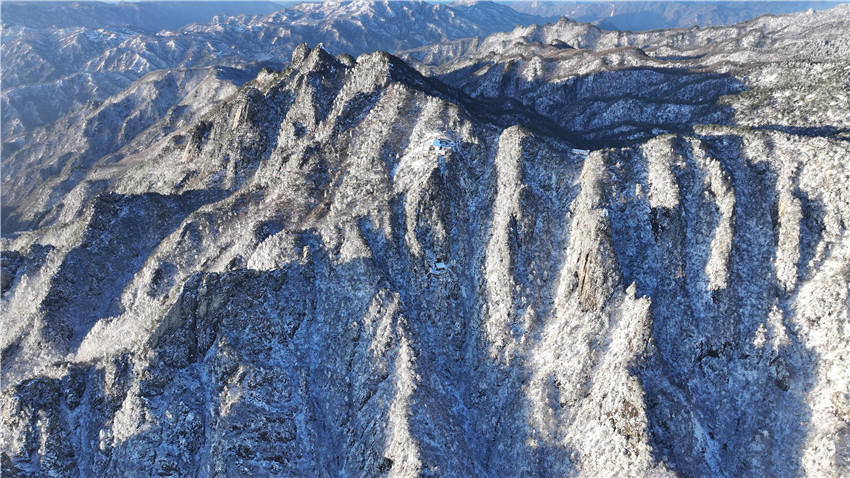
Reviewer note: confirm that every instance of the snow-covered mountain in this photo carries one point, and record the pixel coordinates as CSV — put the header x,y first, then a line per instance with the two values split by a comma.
x,y
652,15
581,253
620,86
50,71
61,154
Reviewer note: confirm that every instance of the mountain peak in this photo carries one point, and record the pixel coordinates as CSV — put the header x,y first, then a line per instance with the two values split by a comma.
x,y
319,58
299,54
314,59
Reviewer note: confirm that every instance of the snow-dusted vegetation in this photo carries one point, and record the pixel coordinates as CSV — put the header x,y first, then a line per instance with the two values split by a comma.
x,y
583,253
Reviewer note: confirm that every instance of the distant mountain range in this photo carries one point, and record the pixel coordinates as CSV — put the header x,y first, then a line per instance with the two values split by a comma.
x,y
650,15
49,70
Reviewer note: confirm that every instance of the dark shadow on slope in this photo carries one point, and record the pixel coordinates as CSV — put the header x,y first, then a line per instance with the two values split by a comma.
x,y
468,402
41,403
437,326
811,231
119,237
717,403
634,225
504,111
291,339
229,313
16,264
226,330
612,108
809,131
127,123
434,326
679,57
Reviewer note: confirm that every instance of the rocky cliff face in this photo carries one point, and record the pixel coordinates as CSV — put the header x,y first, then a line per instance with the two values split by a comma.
x,y
301,283
80,87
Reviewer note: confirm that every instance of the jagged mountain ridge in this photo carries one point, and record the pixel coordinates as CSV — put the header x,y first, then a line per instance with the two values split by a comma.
x,y
77,80
678,306
159,104
595,114
75,64
636,16
779,36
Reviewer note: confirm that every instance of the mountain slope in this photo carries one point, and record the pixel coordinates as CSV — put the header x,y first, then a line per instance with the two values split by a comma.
x,y
611,87
62,153
299,284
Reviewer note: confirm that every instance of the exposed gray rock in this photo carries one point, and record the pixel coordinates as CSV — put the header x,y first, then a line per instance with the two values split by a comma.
x,y
300,283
